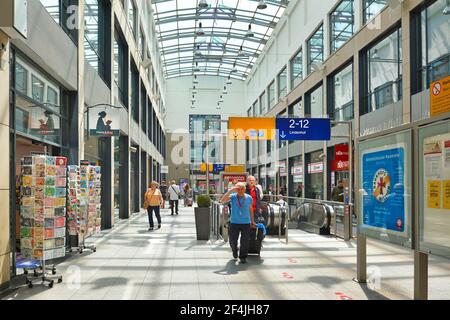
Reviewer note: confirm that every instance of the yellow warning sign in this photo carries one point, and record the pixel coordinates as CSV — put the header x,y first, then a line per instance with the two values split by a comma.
x,y
434,194
447,194
440,97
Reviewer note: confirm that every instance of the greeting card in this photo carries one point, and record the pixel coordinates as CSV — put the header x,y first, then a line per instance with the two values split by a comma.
x,y
51,170
27,181
27,161
49,192
60,182
60,192
28,201
61,161
27,170
51,161
40,181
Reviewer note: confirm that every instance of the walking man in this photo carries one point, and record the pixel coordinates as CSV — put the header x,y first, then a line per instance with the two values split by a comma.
x,y
252,190
241,220
163,189
174,196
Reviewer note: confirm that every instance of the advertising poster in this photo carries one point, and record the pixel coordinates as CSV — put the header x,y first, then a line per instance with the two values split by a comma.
x,y
183,182
44,123
436,189
104,121
383,181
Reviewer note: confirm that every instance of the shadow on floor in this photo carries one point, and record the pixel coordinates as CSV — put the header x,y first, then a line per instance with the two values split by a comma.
x,y
370,294
232,267
108,282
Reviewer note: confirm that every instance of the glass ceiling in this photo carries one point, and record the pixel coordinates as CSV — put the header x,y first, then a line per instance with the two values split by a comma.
x,y
225,24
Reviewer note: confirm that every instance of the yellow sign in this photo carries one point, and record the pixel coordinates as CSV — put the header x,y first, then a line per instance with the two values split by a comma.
x,y
447,194
235,169
440,97
251,128
434,194
203,167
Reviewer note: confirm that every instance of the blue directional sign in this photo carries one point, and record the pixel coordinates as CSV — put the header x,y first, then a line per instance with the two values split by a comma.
x,y
303,129
219,167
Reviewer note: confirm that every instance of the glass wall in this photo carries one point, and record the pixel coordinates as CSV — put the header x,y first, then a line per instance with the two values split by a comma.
x,y
296,179
295,110
435,31
315,50
132,17
296,69
371,8
117,168
121,68
384,73
38,112
341,24
135,92
341,85
314,103
282,83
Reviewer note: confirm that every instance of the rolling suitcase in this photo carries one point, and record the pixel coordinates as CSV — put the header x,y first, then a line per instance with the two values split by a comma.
x,y
255,241
189,202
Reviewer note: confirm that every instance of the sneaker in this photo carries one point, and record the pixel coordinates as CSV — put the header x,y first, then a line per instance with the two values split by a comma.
x,y
243,260
235,254
159,226
151,228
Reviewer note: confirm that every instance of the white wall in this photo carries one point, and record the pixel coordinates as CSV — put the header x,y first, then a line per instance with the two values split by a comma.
x,y
179,94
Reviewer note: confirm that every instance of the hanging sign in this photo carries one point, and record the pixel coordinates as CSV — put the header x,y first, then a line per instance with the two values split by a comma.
x,y
164,169
303,129
251,128
104,121
440,97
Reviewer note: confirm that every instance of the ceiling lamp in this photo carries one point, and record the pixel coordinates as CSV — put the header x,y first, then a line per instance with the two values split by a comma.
x,y
195,80
198,52
193,99
221,99
200,31
202,4
234,70
194,91
224,90
229,80
241,52
192,105
218,105
249,33
196,68
262,5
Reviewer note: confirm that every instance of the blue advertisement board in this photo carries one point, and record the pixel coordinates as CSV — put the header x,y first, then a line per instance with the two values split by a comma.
x,y
383,182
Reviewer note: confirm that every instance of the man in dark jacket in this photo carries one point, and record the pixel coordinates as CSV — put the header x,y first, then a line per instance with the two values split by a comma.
x,y
253,191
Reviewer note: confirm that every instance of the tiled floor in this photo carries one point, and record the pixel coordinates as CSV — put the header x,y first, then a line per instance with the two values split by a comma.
x,y
134,263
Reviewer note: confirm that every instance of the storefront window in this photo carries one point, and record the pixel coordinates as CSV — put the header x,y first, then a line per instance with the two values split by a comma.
x,y
296,176
314,103
297,69
342,95
38,113
314,182
315,50
262,103
384,63
341,24
271,94
117,168
435,47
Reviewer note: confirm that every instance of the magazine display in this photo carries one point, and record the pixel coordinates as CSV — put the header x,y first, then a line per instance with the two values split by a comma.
x,y
43,207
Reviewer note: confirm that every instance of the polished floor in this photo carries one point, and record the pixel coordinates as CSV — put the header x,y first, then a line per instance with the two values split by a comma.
x,y
134,263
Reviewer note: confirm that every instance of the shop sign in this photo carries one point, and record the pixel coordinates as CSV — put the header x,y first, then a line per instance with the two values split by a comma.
x,y
316,167
440,97
341,152
43,123
303,129
297,170
339,165
238,177
164,169
104,121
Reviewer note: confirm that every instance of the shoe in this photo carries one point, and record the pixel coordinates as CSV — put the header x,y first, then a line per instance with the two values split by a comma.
x,y
235,254
243,260
150,229
159,226
171,214
177,213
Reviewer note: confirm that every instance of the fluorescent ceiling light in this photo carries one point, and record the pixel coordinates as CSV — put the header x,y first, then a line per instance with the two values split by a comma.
x,y
249,33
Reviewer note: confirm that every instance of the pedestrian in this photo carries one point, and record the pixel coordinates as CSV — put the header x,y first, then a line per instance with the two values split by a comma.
x,y
299,192
338,192
241,220
188,195
153,201
163,189
254,192
260,188
174,196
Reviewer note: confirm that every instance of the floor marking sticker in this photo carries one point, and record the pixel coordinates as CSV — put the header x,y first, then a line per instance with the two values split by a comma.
x,y
343,296
292,260
287,275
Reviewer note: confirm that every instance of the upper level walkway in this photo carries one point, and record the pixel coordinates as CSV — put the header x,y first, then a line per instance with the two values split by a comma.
x,y
134,263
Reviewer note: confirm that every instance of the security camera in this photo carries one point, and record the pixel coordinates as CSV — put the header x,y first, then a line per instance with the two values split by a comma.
x,y
146,63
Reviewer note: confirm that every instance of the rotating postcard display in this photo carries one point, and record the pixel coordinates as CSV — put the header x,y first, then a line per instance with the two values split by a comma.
x,y
43,207
84,208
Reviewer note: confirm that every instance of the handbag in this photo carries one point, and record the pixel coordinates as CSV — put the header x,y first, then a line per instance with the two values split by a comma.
x,y
146,203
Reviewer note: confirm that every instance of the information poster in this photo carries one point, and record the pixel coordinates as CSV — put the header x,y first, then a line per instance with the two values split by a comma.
x,y
435,182
383,182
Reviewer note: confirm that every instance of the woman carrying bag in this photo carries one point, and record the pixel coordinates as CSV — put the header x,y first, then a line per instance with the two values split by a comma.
x,y
153,202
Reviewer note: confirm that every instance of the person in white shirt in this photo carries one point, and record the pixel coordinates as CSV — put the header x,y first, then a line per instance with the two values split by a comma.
x,y
281,201
260,188
174,196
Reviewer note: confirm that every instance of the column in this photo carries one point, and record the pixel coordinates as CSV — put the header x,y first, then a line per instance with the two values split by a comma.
x,y
5,196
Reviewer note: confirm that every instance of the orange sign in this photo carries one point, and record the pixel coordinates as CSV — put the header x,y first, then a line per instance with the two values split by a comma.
x,y
203,167
251,128
440,97
235,169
